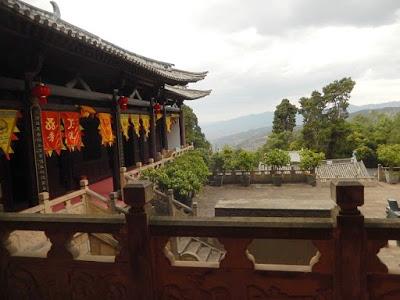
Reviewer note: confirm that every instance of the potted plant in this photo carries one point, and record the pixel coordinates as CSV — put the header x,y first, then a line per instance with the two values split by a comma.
x,y
246,162
389,155
309,161
276,158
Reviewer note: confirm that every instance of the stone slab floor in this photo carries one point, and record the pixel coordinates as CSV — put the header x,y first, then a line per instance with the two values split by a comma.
x,y
374,207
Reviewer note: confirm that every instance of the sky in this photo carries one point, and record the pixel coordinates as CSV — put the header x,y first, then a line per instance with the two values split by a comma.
x,y
257,52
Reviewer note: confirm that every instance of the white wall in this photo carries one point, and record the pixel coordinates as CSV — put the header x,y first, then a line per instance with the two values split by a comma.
x,y
174,137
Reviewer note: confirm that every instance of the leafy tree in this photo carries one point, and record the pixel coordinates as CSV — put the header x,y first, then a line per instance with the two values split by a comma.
x,y
367,155
246,160
276,158
309,160
324,114
284,117
193,130
389,155
279,140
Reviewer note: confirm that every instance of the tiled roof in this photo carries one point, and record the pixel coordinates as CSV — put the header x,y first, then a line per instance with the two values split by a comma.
x,y
185,93
44,18
332,169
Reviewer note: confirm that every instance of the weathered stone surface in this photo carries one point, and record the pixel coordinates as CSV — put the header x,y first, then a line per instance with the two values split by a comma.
x,y
274,208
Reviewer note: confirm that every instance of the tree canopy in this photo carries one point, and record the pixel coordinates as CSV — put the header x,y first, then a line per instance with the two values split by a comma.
x,y
193,130
284,117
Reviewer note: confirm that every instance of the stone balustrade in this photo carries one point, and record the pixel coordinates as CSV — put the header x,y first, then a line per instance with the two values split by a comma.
x,y
346,265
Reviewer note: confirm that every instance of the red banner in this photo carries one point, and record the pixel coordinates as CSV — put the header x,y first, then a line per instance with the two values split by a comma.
x,y
72,130
51,131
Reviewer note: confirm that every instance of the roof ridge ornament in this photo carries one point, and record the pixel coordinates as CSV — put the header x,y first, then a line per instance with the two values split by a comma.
x,y
56,10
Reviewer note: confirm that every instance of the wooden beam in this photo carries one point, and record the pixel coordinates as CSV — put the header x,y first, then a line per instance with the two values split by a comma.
x,y
11,84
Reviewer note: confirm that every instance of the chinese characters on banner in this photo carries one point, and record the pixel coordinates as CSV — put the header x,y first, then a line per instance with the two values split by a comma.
x,y
105,129
51,132
8,128
72,130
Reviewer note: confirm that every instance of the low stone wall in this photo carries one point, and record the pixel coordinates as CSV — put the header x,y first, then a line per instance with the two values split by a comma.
x,y
258,177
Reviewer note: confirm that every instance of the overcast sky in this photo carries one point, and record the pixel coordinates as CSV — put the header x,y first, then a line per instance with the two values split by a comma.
x,y
256,52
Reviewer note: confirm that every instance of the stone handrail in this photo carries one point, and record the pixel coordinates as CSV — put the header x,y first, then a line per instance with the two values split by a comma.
x,y
84,194
135,173
145,268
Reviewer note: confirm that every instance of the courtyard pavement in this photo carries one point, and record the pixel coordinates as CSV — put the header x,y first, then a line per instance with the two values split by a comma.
x,y
375,203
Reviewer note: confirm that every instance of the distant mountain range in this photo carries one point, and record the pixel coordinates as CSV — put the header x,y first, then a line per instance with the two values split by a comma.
x,y
250,131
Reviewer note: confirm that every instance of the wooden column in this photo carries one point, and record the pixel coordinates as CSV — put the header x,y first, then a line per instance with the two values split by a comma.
x,y
165,132
34,143
138,196
350,245
182,127
152,130
118,153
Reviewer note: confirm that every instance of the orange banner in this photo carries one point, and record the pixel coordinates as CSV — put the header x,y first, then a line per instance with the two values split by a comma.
x,y
105,129
72,130
8,128
51,131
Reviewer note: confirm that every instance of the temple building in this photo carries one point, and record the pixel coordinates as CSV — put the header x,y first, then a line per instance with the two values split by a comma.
x,y
74,106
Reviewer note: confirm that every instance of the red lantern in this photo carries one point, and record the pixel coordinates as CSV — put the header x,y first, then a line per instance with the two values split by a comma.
x,y
123,102
157,108
41,91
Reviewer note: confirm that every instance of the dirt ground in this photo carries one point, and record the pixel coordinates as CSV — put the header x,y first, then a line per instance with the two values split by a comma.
x,y
375,203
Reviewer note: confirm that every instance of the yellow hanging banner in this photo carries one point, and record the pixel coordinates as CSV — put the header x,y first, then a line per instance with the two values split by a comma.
x,y
169,122
136,124
159,116
124,120
146,124
8,128
105,129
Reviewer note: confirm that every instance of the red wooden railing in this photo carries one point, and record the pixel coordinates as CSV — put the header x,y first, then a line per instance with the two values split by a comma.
x,y
346,266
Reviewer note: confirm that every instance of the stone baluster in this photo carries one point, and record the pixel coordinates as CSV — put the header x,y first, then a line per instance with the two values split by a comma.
x,y
61,244
122,172
137,196
350,249
84,184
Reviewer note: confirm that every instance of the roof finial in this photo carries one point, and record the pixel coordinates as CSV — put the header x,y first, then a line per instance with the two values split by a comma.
x,y
56,10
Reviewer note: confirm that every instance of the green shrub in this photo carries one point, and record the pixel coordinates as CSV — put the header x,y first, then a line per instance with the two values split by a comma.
x,y
389,155
185,175
276,158
246,160
309,159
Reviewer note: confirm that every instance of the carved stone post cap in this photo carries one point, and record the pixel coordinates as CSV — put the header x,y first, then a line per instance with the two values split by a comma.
x,y
43,196
139,193
122,169
347,194
151,160
139,164
84,182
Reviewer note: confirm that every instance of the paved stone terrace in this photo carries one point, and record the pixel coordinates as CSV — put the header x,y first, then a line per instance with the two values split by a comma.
x,y
374,207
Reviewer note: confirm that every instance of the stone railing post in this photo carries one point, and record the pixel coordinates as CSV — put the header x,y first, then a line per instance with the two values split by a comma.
x,y
84,184
44,199
350,244
138,195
